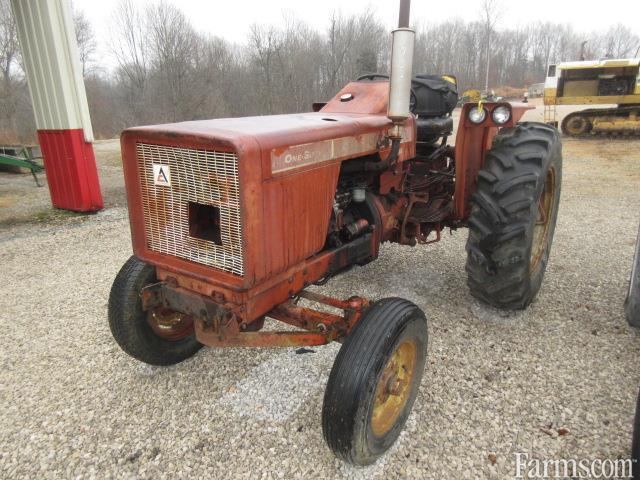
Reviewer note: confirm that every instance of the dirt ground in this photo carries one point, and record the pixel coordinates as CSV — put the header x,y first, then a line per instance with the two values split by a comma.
x,y
73,405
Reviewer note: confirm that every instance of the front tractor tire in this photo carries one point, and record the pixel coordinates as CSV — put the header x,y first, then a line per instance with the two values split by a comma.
x,y
374,381
157,337
513,216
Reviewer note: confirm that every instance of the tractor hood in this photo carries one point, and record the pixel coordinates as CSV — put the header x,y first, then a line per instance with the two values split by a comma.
x,y
282,142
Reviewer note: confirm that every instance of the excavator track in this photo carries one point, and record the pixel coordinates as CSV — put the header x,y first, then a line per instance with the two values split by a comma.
x,y
623,121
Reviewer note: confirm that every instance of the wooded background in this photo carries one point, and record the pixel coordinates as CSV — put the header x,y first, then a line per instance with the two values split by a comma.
x,y
166,71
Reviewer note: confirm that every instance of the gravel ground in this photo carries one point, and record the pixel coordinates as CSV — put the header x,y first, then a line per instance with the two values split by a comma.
x,y
73,405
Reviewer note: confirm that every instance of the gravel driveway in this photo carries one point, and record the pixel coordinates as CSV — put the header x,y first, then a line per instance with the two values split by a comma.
x,y
73,405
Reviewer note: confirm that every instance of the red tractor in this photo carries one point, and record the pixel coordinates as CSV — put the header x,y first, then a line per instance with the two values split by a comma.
x,y
232,219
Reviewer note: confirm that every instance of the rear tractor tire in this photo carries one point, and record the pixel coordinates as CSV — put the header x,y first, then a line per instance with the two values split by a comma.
x,y
513,216
374,381
157,337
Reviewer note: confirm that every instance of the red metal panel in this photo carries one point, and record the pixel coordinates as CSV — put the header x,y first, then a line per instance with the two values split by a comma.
x,y
472,143
71,170
296,216
366,97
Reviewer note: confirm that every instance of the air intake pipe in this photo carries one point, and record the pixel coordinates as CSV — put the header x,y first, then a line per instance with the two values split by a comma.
x,y
401,68
400,79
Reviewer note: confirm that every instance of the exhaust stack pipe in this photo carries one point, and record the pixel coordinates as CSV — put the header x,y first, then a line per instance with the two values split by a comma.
x,y
401,69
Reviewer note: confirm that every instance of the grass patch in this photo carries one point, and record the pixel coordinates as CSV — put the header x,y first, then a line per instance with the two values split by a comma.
x,y
49,215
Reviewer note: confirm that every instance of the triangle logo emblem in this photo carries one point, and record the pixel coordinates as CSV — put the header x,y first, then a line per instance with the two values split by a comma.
x,y
161,175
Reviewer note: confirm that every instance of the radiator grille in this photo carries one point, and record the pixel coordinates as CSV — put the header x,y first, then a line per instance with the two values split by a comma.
x,y
202,176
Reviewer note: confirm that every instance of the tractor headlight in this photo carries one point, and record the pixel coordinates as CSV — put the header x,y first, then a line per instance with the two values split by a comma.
x,y
477,115
501,115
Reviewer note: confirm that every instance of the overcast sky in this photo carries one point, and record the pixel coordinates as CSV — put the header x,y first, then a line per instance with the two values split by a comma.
x,y
231,18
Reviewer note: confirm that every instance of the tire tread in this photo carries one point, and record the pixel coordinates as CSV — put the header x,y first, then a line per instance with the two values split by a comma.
x,y
349,378
128,325
500,220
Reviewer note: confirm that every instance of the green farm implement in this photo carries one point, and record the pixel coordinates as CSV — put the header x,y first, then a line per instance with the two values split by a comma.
x,y
21,157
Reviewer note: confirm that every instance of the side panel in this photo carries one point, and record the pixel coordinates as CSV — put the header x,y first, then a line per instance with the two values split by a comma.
x,y
299,195
295,216
472,143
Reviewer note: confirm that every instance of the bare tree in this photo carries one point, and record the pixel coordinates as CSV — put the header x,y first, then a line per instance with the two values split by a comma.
x,y
264,47
130,50
172,42
547,40
9,53
9,49
490,14
340,38
86,40
213,79
370,49
300,62
620,41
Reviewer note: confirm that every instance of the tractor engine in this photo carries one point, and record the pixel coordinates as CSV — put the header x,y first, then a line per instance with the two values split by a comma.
x,y
410,199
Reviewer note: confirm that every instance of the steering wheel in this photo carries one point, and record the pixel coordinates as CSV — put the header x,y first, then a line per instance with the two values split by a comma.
x,y
413,100
372,76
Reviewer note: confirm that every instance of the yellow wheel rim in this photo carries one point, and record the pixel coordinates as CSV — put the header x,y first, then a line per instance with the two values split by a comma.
x,y
543,220
394,387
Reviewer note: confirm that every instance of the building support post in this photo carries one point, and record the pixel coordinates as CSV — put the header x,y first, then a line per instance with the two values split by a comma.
x,y
52,64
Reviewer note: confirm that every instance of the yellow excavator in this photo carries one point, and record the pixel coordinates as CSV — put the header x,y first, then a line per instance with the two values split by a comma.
x,y
602,82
